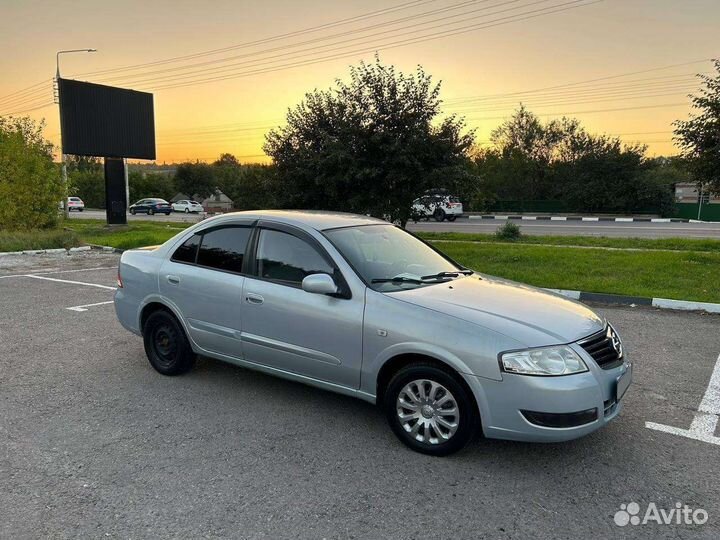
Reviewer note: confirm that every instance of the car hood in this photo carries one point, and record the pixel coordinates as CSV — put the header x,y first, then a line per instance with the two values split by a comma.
x,y
533,317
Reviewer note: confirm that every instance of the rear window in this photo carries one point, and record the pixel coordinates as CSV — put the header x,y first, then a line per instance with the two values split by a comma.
x,y
186,252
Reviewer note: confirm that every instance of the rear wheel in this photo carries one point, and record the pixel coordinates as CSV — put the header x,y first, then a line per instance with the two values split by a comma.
x,y
439,214
151,212
81,209
452,217
166,345
429,410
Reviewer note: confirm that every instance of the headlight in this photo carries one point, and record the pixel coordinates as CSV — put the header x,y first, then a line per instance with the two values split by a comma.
x,y
546,361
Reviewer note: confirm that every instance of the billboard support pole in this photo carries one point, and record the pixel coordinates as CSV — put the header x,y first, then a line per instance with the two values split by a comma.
x,y
127,184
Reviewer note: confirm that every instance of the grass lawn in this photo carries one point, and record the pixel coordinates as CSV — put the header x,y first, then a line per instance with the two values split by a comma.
x,y
686,269
43,239
681,275
680,244
135,234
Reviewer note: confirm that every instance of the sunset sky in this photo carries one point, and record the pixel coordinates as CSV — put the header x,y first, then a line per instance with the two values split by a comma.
x,y
622,67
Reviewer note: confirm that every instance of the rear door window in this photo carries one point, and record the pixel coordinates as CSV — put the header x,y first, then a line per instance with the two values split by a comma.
x,y
224,248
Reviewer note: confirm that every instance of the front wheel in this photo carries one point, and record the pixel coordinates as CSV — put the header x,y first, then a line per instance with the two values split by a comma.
x,y
151,212
429,410
132,211
187,210
166,345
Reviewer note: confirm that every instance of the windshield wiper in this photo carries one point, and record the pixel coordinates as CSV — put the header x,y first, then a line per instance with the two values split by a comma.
x,y
397,279
440,275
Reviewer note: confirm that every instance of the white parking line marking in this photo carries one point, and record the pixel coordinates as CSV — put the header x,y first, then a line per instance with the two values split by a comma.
x,y
71,282
58,271
706,419
85,306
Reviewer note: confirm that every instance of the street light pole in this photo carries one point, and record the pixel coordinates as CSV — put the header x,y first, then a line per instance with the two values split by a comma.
x,y
63,166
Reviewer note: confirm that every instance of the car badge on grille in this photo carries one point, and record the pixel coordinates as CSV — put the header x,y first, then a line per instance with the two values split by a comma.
x,y
615,341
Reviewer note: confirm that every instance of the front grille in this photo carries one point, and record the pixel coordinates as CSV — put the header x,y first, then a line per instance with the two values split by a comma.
x,y
605,348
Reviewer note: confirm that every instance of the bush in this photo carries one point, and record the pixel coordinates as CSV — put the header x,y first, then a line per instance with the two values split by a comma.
x,y
509,232
31,187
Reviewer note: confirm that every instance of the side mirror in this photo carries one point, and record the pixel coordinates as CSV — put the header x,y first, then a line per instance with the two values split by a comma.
x,y
319,284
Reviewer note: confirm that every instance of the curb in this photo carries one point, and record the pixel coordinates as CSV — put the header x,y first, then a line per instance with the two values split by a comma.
x,y
622,300
60,250
584,218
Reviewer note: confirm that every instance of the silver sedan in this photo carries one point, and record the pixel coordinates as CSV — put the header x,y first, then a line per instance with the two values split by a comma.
x,y
358,306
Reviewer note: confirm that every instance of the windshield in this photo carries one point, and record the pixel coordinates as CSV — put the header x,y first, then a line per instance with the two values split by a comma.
x,y
390,259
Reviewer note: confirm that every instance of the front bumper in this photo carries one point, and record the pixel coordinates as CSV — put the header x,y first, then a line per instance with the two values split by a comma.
x,y
564,400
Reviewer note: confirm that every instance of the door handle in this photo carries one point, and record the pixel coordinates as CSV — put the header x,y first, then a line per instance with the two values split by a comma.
x,y
252,298
173,279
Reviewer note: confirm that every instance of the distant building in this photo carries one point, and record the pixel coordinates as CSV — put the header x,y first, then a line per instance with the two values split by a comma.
x,y
687,192
218,202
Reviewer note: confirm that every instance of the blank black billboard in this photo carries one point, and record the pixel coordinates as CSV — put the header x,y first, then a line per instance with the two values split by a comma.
x,y
106,121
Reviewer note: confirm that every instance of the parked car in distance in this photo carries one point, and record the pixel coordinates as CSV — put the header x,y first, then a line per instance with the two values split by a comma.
x,y
356,305
187,206
150,207
75,203
439,207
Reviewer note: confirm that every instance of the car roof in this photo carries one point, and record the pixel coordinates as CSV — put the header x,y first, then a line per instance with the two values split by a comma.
x,y
315,219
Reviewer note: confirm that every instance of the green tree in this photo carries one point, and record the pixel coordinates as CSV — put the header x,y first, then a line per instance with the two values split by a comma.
x,y
142,185
699,136
196,179
370,145
89,185
30,183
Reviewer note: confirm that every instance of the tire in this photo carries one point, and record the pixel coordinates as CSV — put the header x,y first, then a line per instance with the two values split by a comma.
x,y
166,344
438,384
81,209
187,210
452,217
132,211
151,212
439,214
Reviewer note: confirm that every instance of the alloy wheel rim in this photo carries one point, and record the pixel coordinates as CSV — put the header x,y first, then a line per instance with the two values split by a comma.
x,y
428,411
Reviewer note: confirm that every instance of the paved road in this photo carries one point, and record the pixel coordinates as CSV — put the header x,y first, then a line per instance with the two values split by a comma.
x,y
562,228
580,228
95,444
175,216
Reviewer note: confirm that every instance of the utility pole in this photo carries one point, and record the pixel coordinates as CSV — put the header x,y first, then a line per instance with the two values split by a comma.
x,y
700,201
63,164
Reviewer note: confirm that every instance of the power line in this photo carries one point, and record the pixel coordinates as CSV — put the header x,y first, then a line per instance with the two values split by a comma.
x,y
569,101
3,98
44,94
28,110
634,83
314,40
438,35
309,51
610,77
331,24
667,105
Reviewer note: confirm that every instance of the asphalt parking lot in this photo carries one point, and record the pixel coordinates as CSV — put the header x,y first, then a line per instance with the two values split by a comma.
x,y
94,443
